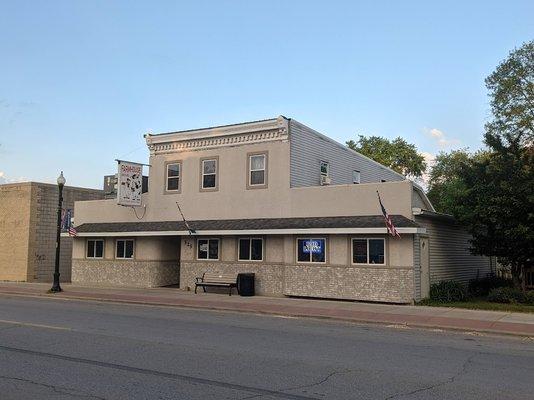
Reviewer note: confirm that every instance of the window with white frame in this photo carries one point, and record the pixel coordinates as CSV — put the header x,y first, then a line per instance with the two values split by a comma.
x,y
208,249
124,248
325,168
368,251
174,172
311,250
95,248
250,249
355,177
257,169
209,174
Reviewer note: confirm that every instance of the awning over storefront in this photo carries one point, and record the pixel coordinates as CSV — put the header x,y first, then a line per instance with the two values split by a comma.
x,y
369,224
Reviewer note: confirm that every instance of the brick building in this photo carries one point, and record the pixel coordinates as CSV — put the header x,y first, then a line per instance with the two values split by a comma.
x,y
28,218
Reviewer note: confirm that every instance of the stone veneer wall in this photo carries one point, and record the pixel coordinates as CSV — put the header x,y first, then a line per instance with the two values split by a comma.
x,y
130,273
269,278
388,284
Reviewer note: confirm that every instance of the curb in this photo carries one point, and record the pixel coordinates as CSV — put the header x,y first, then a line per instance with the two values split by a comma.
x,y
514,329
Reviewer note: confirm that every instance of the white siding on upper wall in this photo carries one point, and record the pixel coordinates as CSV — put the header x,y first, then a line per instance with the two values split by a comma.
x,y
450,258
309,148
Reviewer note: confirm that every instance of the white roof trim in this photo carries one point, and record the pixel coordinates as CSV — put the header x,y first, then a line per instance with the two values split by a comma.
x,y
313,231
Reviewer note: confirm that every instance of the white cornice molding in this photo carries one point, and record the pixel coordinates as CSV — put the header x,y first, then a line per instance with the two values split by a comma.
x,y
232,135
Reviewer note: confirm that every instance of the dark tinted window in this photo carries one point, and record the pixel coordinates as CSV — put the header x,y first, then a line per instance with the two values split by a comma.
x,y
359,251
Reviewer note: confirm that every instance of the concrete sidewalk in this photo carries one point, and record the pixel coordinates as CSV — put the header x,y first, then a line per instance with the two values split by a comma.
x,y
499,322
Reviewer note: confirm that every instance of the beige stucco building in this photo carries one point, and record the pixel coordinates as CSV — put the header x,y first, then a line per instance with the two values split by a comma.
x,y
279,199
28,221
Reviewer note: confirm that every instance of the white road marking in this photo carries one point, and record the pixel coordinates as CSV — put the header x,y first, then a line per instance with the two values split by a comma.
x,y
61,328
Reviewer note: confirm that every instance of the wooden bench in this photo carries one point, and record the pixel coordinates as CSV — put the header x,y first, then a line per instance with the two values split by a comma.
x,y
210,279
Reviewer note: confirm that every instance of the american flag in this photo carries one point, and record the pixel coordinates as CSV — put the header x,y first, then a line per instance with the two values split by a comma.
x,y
66,222
387,219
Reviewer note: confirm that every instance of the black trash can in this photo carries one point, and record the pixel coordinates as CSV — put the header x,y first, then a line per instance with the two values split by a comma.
x,y
245,284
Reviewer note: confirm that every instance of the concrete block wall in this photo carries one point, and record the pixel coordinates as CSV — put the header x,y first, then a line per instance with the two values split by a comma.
x,y
15,208
42,256
127,273
28,220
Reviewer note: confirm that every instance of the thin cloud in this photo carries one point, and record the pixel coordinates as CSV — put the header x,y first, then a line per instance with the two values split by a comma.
x,y
441,139
5,179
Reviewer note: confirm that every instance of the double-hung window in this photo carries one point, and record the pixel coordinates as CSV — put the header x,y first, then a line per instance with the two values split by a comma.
x,y
355,177
368,251
174,173
311,250
124,248
325,168
250,249
257,170
95,248
209,174
208,249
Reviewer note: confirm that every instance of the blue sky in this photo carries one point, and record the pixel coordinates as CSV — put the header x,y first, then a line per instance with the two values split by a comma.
x,y
80,82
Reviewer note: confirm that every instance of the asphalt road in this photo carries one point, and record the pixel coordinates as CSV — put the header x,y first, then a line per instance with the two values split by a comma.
x,y
58,349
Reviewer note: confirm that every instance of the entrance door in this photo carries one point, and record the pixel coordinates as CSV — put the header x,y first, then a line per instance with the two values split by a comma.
x,y
424,266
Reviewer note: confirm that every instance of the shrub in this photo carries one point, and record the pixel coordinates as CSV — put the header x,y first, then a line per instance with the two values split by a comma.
x,y
506,295
448,291
529,297
482,287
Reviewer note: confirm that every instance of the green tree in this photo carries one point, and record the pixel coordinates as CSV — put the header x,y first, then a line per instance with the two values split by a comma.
x,y
495,195
396,154
445,183
511,89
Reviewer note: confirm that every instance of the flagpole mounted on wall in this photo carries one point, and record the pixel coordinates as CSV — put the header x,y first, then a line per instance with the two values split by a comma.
x,y
387,219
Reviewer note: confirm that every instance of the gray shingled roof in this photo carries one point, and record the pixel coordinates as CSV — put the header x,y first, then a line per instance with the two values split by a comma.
x,y
367,221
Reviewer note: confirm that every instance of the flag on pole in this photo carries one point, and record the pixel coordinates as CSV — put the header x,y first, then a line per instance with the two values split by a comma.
x,y
66,222
387,219
191,230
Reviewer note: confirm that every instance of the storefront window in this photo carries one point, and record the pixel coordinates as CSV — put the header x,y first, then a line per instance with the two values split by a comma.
x,y
251,249
208,249
368,251
95,248
125,248
311,250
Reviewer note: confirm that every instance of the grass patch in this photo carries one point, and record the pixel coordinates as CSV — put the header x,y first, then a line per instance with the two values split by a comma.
x,y
480,304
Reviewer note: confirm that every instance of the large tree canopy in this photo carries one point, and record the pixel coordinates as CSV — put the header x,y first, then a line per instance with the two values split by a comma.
x,y
511,89
492,194
396,154
446,184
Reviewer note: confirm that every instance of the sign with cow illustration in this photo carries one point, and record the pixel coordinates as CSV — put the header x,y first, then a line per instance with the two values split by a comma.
x,y
130,183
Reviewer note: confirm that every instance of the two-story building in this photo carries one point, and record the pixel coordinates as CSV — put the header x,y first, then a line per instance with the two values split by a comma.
x,y
278,199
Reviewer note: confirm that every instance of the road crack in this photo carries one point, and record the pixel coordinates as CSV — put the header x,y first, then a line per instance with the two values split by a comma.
x,y
57,389
309,385
450,380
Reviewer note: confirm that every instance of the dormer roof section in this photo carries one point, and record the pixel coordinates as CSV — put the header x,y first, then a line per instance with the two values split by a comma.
x,y
268,130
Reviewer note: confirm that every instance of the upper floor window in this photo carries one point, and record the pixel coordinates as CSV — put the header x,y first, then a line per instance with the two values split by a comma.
x,y
124,248
355,176
250,249
325,168
208,249
257,170
174,172
368,251
311,250
95,248
209,173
